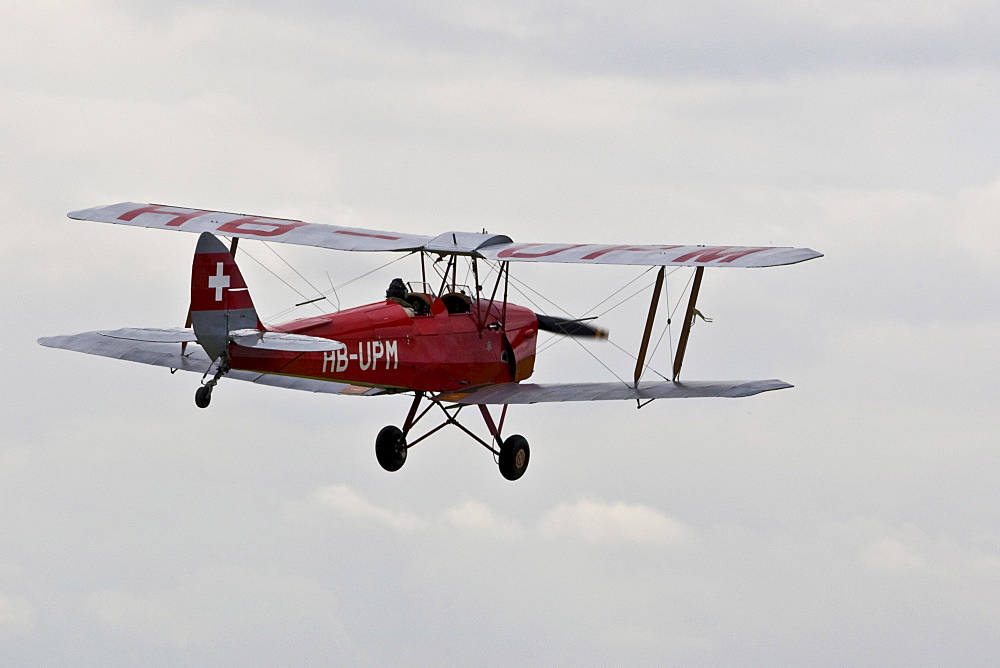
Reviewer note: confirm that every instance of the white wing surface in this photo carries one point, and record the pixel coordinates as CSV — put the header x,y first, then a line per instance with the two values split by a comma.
x,y
152,334
651,256
194,359
251,227
489,246
530,393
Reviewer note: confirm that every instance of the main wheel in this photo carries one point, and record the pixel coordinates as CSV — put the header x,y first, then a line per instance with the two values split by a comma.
x,y
390,448
514,454
203,396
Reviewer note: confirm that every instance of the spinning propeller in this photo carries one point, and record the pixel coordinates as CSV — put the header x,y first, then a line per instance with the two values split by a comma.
x,y
568,327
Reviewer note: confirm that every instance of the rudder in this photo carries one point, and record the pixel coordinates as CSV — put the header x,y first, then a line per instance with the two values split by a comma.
x,y
220,300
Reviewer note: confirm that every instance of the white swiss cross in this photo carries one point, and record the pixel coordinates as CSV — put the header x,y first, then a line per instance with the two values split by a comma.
x,y
219,281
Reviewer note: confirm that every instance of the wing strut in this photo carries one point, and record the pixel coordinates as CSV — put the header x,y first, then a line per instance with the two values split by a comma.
x,y
649,326
688,321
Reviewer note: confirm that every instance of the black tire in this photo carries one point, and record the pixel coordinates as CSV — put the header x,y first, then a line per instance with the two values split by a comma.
x,y
514,455
203,396
390,448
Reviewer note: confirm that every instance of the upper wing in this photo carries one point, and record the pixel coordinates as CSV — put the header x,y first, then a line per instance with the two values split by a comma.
x,y
128,345
530,393
651,256
251,227
490,246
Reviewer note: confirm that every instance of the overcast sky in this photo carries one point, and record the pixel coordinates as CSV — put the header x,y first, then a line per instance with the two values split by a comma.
x,y
850,520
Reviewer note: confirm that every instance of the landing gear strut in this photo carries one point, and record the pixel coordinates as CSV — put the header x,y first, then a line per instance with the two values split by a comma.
x,y
203,395
512,454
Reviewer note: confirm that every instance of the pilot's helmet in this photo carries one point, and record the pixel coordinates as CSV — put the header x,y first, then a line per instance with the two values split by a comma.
x,y
396,289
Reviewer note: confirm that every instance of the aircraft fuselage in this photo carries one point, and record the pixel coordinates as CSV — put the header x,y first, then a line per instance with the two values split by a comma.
x,y
388,346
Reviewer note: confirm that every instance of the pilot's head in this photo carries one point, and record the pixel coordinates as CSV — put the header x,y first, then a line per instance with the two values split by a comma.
x,y
396,289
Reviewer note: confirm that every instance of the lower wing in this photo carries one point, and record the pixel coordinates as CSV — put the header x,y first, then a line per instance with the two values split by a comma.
x,y
160,347
530,393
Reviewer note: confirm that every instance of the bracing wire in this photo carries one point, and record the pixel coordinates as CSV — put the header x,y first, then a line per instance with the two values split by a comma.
x,y
297,272
666,328
594,307
683,292
521,287
287,284
369,273
333,289
605,312
579,343
468,272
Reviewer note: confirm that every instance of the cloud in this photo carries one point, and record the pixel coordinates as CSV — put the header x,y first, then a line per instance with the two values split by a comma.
x,y
17,615
478,517
253,611
344,502
889,554
611,523
977,211
595,522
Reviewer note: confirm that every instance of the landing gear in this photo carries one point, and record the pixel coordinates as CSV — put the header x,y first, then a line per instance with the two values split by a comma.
x,y
390,448
203,396
511,454
514,455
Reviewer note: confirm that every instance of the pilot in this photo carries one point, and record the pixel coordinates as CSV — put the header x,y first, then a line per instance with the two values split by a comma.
x,y
397,292
413,304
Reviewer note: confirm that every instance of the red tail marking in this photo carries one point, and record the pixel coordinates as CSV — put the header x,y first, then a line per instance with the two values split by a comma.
x,y
217,284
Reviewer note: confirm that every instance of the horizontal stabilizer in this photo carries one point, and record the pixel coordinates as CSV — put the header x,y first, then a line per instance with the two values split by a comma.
x,y
530,393
296,343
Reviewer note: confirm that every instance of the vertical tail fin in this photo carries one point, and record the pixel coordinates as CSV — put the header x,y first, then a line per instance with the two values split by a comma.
x,y
220,300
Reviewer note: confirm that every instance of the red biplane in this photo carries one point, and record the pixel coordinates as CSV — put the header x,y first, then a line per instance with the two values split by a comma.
x,y
450,346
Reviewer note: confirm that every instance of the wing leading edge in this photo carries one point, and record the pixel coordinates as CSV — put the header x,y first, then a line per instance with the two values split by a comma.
x,y
489,246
